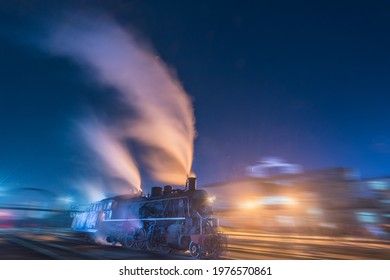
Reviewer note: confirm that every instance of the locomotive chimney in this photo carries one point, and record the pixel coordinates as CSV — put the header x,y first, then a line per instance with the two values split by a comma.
x,y
156,191
167,189
191,181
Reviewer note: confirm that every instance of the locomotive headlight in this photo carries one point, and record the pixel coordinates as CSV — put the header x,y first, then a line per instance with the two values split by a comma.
x,y
211,198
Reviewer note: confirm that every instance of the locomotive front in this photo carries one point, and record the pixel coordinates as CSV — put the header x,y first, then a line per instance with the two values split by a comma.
x,y
204,238
182,220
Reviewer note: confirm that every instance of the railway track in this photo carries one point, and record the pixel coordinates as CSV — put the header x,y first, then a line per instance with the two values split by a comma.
x,y
50,250
63,244
42,244
267,246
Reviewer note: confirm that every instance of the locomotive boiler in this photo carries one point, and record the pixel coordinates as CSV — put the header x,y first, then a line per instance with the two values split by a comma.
x,y
168,219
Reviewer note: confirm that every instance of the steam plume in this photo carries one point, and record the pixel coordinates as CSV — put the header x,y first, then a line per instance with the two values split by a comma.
x,y
164,121
117,158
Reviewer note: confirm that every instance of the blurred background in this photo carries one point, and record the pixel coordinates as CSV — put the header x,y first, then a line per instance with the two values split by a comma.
x,y
279,108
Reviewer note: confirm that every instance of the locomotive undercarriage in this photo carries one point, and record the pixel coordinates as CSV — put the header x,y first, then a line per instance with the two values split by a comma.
x,y
155,236
207,245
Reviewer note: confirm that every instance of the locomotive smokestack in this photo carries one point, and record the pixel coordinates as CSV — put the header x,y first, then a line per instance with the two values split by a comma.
x,y
191,183
167,189
157,191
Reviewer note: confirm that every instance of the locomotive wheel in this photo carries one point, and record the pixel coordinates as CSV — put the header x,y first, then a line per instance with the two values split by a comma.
x,y
151,245
215,246
212,247
214,251
151,242
194,250
130,238
140,238
164,248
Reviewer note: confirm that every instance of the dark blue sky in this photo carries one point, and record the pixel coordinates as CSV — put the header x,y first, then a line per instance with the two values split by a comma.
x,y
307,82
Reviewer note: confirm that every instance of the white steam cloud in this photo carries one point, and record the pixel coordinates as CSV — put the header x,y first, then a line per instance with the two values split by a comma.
x,y
164,120
119,162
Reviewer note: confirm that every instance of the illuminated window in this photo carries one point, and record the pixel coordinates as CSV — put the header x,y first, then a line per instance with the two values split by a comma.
x,y
367,217
378,185
107,215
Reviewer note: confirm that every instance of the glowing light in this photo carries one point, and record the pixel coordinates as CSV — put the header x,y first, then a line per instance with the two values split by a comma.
x,y
4,214
277,200
66,199
211,199
378,185
249,204
263,169
367,217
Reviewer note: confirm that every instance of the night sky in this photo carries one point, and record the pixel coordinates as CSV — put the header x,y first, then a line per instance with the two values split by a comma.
x,y
306,82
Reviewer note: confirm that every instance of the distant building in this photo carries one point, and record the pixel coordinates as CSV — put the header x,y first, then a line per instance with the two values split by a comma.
x,y
375,193
323,201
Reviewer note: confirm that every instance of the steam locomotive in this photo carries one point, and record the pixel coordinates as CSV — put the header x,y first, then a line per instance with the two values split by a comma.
x,y
167,220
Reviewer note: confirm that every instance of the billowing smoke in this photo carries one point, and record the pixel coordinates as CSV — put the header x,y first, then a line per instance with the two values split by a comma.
x,y
116,156
163,122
